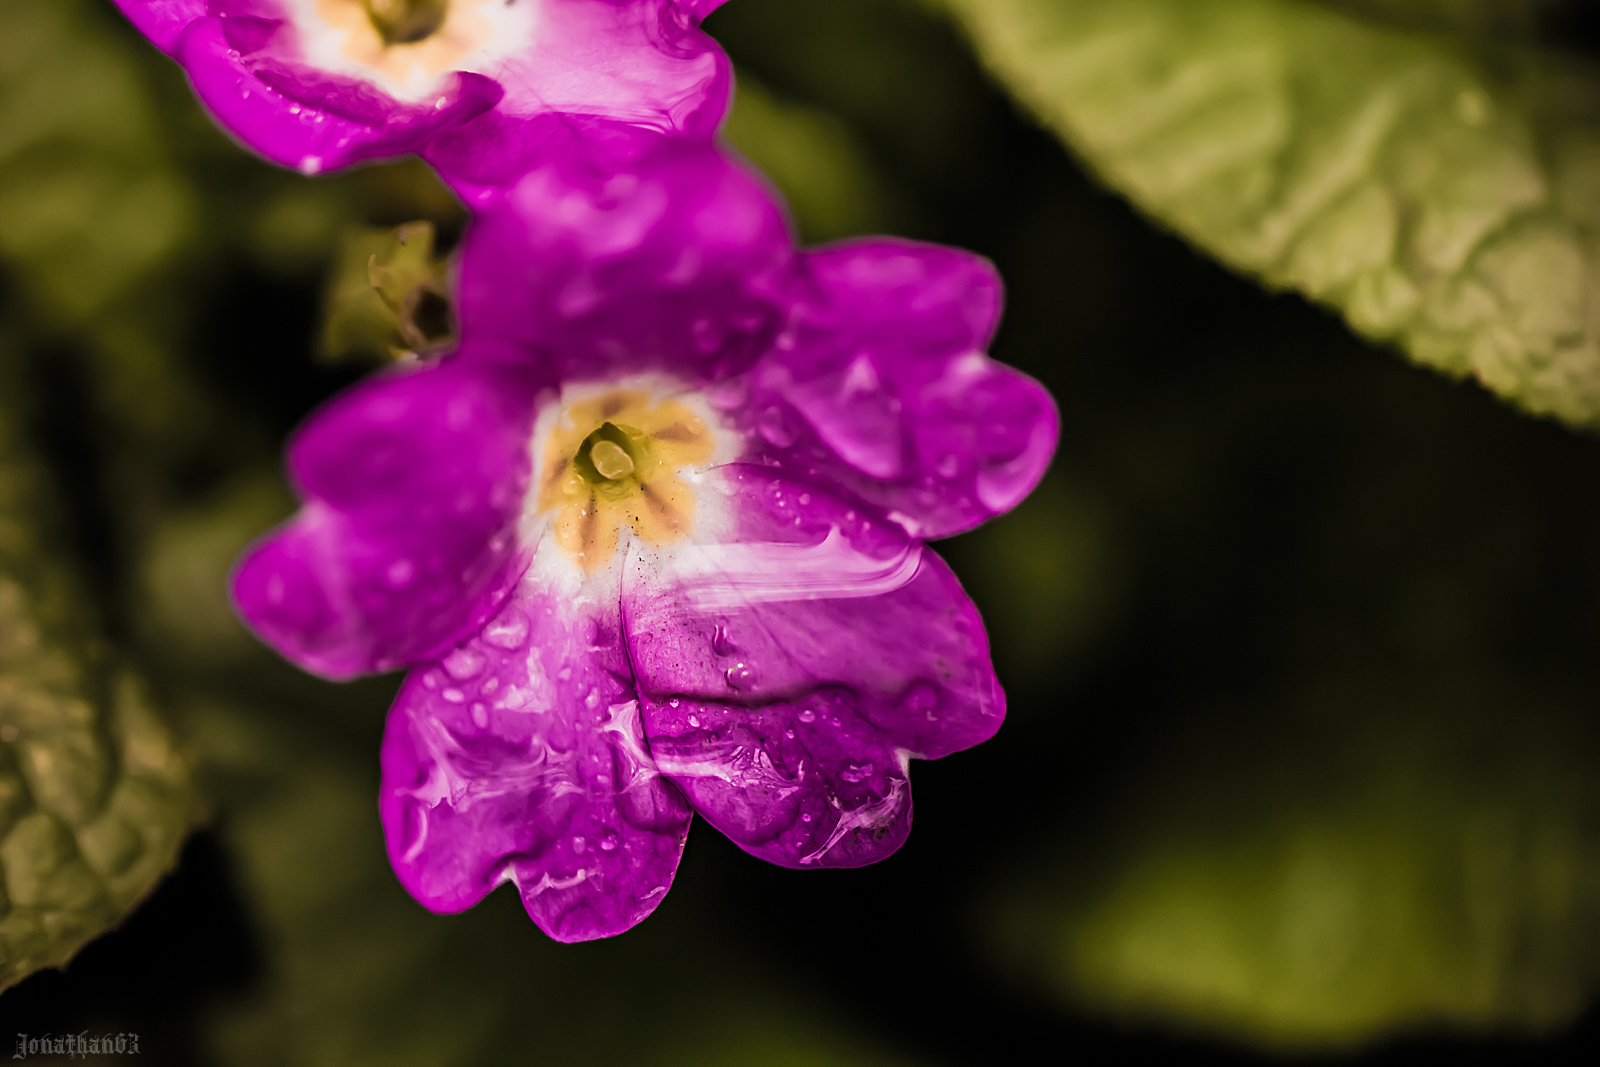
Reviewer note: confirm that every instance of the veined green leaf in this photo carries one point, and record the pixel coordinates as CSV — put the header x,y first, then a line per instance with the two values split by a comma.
x,y
94,797
1444,201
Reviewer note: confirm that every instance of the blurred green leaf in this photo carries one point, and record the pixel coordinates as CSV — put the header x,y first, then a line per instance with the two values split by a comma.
x,y
183,571
1444,200
94,797
1517,18
1379,858
813,159
1048,579
89,202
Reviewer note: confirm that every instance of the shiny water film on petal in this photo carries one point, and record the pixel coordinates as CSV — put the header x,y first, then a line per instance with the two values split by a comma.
x,y
803,784
791,662
520,757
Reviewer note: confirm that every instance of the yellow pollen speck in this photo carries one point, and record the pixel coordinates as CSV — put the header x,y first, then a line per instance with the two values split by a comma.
x,y
614,460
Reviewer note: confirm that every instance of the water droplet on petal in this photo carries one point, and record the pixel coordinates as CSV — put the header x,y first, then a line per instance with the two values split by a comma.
x,y
707,335
807,715
509,631
774,426
400,573
720,643
454,696
855,772
464,663
579,844
480,716
948,466
921,701
727,395
741,676
608,843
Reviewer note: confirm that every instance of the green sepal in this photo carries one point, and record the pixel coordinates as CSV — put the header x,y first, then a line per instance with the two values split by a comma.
x,y
386,297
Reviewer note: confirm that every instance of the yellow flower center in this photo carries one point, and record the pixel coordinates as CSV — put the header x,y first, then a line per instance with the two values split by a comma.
x,y
614,460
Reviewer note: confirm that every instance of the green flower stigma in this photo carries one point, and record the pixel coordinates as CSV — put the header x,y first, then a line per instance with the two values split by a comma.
x,y
406,21
607,455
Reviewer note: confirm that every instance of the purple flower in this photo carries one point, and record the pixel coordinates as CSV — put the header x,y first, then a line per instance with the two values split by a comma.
x,y
474,85
654,540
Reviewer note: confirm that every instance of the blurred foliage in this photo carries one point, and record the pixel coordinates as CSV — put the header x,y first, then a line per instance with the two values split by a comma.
x,y
1298,642
386,298
1385,857
94,797
1047,579
1516,19
814,159
1442,197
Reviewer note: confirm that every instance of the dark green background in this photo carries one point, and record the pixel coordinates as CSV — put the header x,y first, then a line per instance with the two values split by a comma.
x,y
1276,579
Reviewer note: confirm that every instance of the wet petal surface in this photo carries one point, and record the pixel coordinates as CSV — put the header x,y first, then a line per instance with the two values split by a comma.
x,y
881,384
801,784
413,485
602,269
521,757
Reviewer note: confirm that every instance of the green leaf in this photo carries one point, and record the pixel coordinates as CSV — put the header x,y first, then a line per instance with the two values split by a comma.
x,y
1444,201
95,799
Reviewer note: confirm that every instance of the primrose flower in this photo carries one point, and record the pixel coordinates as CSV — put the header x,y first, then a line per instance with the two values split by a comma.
x,y
653,540
472,84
